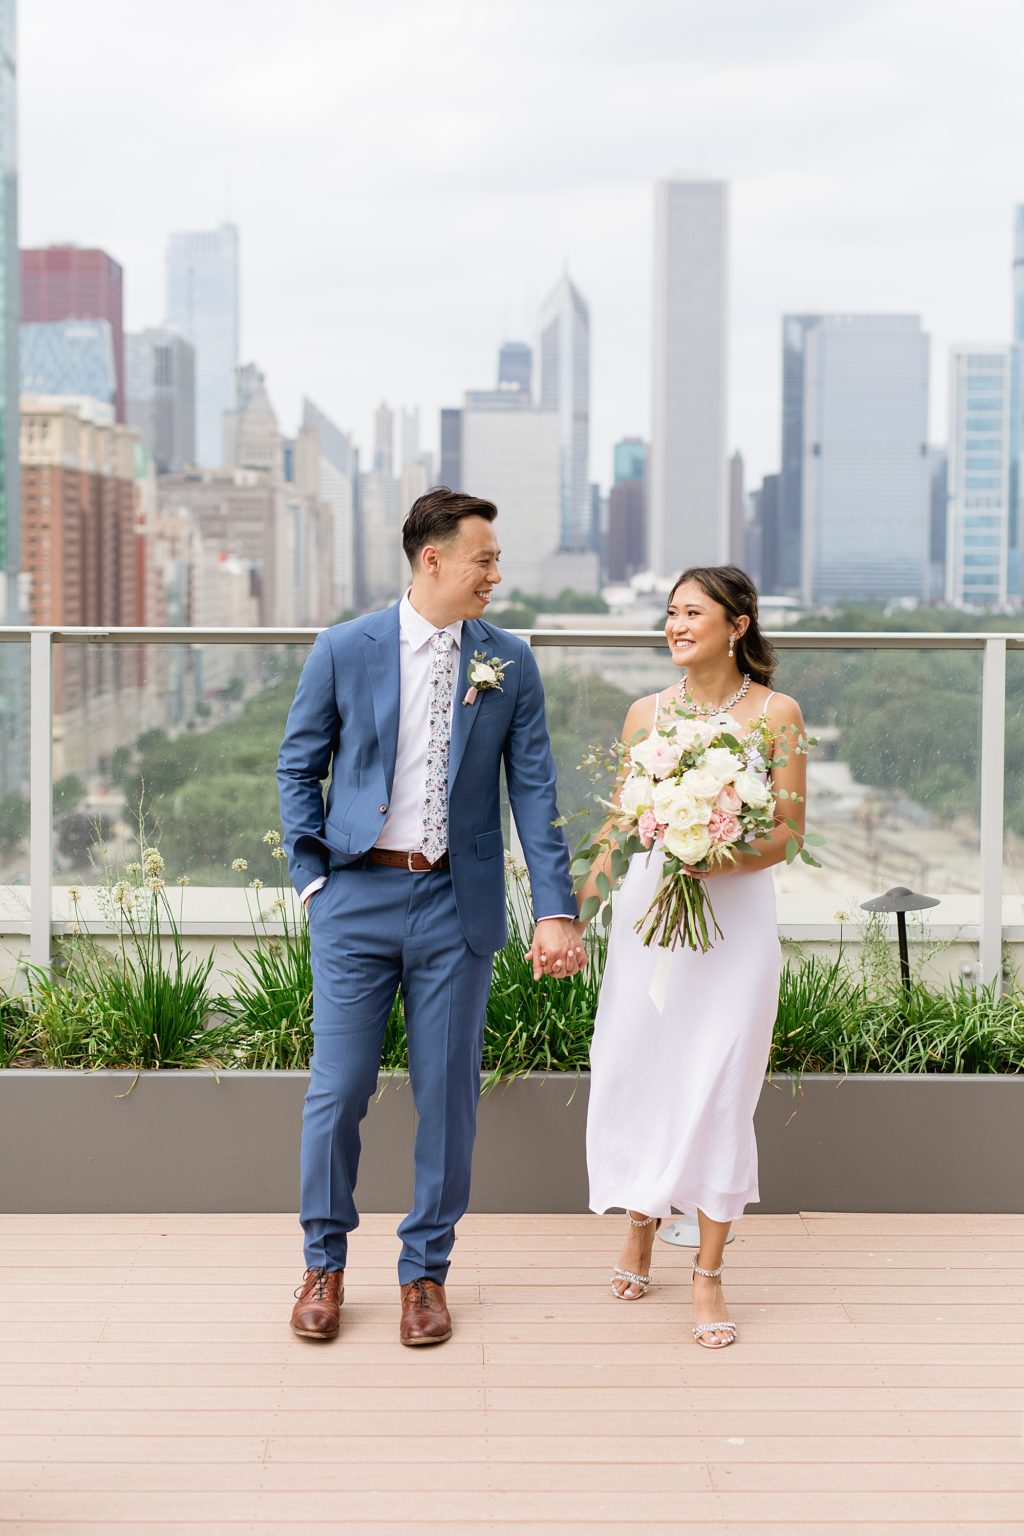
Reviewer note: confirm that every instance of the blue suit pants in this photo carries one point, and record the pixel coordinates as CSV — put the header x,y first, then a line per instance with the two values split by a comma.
x,y
375,930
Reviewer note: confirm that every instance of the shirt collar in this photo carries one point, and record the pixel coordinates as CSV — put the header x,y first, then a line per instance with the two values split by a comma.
x,y
418,631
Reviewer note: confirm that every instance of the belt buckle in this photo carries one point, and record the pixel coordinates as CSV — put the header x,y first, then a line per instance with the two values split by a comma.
x,y
409,858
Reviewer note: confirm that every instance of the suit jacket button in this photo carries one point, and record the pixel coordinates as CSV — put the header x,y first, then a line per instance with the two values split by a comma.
x,y
383,809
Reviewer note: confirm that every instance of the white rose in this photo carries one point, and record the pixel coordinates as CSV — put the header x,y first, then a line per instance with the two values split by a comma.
x,y
676,807
657,755
636,795
721,765
694,733
690,845
701,784
752,791
483,674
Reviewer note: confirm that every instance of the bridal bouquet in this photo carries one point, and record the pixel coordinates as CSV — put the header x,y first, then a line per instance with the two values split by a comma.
x,y
696,788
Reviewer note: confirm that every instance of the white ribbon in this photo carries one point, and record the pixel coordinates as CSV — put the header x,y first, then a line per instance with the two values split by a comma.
x,y
658,989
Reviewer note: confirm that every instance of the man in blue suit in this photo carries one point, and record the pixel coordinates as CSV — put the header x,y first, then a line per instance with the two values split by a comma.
x,y
411,712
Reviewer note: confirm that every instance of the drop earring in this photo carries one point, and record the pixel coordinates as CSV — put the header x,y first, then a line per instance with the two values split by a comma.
x,y
732,646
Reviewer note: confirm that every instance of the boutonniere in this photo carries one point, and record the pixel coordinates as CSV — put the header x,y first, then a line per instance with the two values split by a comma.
x,y
485,672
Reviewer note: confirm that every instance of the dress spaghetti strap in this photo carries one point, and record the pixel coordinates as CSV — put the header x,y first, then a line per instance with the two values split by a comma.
x,y
768,700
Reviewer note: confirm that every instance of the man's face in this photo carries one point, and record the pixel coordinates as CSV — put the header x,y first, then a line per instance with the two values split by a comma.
x,y
467,568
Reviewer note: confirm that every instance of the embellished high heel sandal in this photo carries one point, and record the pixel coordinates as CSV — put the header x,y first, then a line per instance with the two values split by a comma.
x,y
700,1329
641,1282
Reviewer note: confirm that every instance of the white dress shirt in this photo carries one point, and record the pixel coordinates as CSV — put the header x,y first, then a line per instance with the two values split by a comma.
x,y
403,826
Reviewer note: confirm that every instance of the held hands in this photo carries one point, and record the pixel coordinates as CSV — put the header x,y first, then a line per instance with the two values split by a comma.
x,y
556,949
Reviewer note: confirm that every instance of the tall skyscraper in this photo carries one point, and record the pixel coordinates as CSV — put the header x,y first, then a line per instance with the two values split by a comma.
x,y
451,448
10,314
410,437
69,357
1015,577
203,306
335,476
737,510
160,369
763,541
512,454
252,436
515,366
783,553
865,477
688,501
978,489
384,439
565,388
629,460
64,282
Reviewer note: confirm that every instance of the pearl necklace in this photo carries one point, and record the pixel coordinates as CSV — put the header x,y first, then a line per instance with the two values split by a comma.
x,y
707,710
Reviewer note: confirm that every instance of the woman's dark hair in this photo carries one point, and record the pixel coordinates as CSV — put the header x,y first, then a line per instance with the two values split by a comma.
x,y
733,590
435,517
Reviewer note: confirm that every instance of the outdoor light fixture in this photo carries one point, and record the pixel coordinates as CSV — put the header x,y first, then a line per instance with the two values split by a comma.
x,y
901,900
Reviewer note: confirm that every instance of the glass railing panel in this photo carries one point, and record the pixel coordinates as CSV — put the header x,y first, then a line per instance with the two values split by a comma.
x,y
893,781
1013,849
15,794
893,784
178,740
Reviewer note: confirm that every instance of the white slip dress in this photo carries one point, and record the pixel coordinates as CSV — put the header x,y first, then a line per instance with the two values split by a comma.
x,y
670,1125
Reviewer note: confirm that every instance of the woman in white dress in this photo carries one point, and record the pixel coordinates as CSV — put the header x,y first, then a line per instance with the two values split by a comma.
x,y
673,1089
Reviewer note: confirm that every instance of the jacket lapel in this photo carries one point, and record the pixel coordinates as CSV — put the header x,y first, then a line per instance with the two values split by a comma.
x,y
380,652
464,715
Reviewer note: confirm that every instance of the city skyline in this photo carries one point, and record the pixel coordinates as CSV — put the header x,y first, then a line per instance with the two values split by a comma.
x,y
353,297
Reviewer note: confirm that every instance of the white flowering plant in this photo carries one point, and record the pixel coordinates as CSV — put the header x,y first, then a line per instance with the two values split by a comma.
x,y
692,791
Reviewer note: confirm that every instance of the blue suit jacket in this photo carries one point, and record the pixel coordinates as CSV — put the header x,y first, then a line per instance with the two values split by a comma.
x,y
344,721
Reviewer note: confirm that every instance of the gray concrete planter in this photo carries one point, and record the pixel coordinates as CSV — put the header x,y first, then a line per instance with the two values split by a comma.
x,y
189,1141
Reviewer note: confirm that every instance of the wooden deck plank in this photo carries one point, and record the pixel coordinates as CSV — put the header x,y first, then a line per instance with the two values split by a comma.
x,y
877,1385
552,1504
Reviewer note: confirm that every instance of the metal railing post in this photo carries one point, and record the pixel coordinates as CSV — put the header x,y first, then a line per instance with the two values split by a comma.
x,y
41,795
992,769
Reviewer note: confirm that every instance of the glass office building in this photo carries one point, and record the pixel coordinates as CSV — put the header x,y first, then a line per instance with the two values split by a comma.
x,y
978,536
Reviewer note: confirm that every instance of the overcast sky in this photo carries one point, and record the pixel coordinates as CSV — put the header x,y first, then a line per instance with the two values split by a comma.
x,y
411,176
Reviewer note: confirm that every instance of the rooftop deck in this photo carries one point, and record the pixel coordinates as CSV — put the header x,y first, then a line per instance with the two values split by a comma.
x,y
149,1382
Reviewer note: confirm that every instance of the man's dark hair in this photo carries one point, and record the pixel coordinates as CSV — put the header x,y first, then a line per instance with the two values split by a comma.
x,y
435,517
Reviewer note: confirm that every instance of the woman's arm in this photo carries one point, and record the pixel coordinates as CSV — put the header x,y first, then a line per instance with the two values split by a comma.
x,y
788,778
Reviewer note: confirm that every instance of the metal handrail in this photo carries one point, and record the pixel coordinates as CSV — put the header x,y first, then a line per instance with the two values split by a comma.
x,y
782,639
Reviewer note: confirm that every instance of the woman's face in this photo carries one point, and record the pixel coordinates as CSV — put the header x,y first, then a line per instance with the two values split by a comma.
x,y
697,628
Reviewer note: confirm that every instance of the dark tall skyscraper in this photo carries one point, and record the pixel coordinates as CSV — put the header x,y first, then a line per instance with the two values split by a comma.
x,y
451,448
764,546
515,366
787,540
66,282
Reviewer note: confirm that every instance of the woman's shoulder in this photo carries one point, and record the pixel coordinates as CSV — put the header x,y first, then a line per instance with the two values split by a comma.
x,y
641,713
780,708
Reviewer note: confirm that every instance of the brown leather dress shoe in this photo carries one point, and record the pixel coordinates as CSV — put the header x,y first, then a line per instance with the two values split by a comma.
x,y
425,1315
317,1313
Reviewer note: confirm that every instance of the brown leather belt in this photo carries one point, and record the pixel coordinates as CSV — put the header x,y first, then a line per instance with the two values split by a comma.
x,y
417,862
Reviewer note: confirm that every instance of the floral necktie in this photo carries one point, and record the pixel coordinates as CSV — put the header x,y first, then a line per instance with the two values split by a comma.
x,y
435,804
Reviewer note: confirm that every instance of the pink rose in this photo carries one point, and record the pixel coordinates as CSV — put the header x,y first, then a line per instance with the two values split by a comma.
x,y
647,827
729,801
723,827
